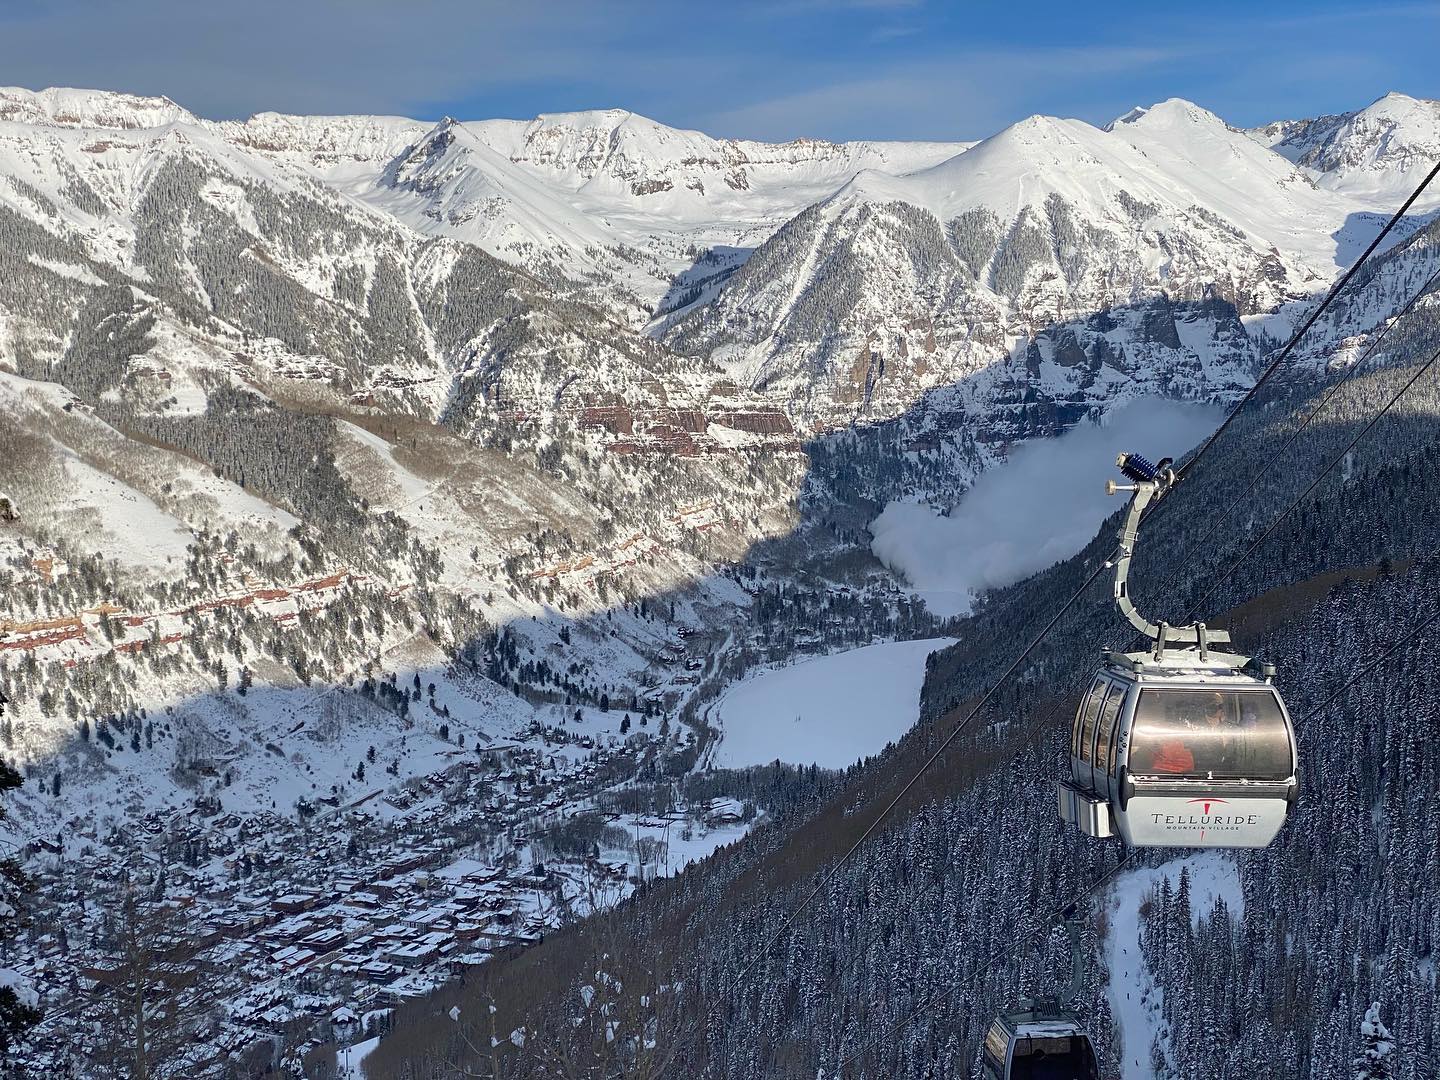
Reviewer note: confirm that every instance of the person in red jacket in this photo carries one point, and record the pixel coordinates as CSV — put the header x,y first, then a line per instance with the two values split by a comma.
x,y
1172,757
1174,754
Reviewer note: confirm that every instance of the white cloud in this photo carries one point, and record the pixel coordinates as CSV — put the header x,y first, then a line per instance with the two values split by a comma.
x,y
1041,506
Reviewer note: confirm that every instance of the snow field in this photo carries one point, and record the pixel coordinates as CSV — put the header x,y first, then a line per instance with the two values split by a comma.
x,y
1041,506
348,1059
828,711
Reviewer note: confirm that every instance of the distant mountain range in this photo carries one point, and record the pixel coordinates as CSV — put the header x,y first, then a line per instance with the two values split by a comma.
x,y
844,279
508,361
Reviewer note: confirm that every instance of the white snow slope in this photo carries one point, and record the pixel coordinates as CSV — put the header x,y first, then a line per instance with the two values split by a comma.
x,y
1042,505
830,711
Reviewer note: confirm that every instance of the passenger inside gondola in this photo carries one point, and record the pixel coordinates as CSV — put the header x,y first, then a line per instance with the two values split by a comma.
x,y
1214,734
1049,1068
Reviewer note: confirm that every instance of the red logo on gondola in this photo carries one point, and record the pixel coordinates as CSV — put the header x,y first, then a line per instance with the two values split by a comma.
x,y
1206,808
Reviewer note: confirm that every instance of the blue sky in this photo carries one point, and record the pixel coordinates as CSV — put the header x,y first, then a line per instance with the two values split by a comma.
x,y
837,69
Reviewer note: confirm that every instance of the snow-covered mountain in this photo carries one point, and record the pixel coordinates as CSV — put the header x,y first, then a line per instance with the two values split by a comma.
x,y
1379,153
896,283
235,249
612,195
69,107
842,280
606,205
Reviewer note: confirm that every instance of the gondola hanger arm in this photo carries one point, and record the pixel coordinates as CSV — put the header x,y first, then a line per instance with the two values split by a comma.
x,y
1151,482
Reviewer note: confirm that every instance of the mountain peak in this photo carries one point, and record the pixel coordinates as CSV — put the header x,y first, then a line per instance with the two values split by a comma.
x,y
1399,107
1172,112
591,118
611,124
1128,118
1034,131
1379,151
64,106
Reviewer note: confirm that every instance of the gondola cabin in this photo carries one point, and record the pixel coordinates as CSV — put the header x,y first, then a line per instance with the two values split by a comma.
x,y
1188,749
1184,745
1038,1044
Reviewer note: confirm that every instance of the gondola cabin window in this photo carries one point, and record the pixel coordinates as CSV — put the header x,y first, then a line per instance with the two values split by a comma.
x,y
997,1042
1105,732
1093,708
1086,727
1064,1057
1210,734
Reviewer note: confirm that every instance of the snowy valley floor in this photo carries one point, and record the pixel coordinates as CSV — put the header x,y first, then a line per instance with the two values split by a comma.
x,y
829,711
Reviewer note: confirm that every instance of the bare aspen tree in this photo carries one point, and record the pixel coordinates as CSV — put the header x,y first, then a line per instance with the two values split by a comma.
x,y
152,1002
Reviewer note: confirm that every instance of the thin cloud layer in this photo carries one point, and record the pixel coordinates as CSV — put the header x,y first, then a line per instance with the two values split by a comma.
x,y
1043,505
839,69
226,59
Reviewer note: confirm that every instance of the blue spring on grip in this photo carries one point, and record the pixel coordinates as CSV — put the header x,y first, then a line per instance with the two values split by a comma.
x,y
1138,468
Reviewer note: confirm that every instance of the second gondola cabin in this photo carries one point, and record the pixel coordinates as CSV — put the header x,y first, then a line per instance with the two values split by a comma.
x,y
1038,1043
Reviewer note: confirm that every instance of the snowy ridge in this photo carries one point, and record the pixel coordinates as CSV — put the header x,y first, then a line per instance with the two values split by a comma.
x,y
1169,159
592,190
1378,154
326,142
67,107
624,156
451,182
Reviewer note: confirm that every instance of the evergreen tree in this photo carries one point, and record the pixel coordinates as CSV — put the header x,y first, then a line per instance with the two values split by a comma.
x,y
1375,1059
